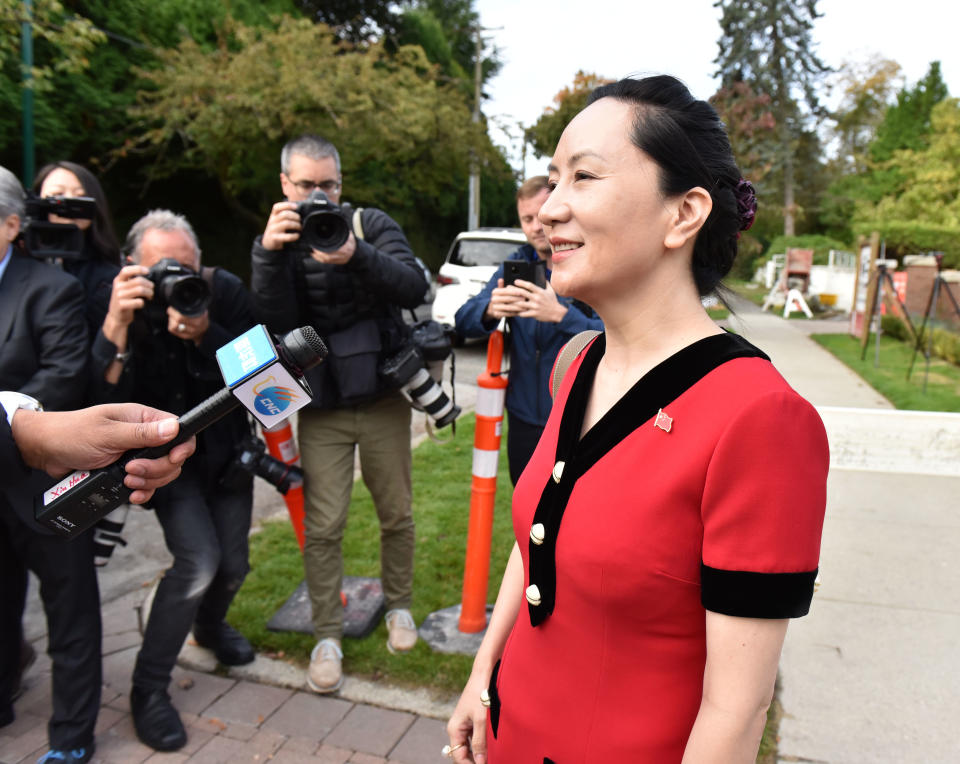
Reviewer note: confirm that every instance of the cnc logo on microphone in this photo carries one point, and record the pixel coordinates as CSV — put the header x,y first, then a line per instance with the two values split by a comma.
x,y
272,399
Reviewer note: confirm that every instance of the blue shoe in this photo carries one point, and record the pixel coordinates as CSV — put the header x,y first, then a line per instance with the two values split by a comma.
x,y
76,756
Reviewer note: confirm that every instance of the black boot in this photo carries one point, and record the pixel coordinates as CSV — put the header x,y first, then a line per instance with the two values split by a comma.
x,y
228,644
156,721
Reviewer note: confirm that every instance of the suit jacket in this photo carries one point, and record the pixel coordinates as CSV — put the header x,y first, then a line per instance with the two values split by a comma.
x,y
43,333
20,484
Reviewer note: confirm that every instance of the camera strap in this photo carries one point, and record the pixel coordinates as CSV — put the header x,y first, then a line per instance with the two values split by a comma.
x,y
207,273
357,222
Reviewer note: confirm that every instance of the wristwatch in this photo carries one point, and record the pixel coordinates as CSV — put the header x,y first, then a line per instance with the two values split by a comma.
x,y
122,357
13,402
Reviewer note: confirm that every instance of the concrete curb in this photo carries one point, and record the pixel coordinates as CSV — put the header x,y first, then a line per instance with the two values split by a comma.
x,y
278,673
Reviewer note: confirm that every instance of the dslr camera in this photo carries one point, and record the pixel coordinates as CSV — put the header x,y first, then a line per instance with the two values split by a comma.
x,y
251,458
322,224
43,239
179,287
429,346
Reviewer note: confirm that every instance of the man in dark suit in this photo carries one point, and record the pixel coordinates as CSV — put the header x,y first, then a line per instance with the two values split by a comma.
x,y
43,352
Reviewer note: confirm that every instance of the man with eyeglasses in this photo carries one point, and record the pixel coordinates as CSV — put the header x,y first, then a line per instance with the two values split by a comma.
x,y
353,298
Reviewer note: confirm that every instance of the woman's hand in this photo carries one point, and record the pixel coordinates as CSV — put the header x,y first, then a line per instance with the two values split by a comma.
x,y
468,725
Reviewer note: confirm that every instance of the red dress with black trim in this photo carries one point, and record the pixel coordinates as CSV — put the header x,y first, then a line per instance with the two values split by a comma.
x,y
703,488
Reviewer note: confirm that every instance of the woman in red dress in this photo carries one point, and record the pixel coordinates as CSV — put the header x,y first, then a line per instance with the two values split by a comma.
x,y
668,524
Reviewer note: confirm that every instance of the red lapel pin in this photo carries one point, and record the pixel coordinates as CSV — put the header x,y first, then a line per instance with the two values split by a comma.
x,y
663,421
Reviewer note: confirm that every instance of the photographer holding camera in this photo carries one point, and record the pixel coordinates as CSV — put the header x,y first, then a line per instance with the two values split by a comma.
x,y
167,318
540,323
346,272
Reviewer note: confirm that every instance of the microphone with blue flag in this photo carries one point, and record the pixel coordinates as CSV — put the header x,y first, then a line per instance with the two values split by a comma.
x,y
264,376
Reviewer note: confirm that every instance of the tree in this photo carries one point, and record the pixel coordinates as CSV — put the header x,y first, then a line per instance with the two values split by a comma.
x,y
923,211
63,40
545,132
906,124
867,89
767,44
403,133
63,46
867,174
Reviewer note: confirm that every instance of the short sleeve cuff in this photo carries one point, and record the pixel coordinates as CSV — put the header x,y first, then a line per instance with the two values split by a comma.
x,y
756,595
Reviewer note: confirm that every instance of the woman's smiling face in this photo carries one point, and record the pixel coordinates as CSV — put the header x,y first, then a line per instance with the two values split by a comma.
x,y
605,216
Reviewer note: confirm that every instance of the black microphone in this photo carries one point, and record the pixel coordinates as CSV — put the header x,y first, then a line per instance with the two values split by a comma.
x,y
264,376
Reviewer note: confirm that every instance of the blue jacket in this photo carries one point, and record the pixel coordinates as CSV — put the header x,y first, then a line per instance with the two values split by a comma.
x,y
533,344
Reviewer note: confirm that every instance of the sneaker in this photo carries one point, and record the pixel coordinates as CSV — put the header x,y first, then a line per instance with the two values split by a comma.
x,y
76,756
325,673
401,630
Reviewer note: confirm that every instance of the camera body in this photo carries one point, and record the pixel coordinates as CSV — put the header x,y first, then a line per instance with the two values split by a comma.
x,y
416,367
251,458
322,224
43,239
179,287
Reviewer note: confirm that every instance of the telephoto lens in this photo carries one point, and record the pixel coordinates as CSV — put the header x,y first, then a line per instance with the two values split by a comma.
x,y
407,370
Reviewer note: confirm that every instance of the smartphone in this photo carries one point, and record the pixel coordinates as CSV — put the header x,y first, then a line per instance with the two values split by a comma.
x,y
535,273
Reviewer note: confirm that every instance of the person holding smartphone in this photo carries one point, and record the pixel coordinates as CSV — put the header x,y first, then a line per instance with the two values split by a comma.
x,y
539,320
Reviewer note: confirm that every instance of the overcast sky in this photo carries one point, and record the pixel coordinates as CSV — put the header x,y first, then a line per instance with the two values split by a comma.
x,y
543,43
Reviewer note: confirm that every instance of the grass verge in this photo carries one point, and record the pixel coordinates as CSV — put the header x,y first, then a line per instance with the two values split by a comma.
x,y
441,506
889,377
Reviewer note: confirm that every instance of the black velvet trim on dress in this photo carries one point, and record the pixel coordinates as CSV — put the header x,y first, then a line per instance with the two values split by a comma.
x,y
494,694
756,595
655,390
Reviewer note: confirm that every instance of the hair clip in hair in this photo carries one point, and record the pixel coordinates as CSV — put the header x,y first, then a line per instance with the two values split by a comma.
x,y
746,204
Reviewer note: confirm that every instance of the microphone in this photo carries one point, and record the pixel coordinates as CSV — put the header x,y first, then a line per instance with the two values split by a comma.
x,y
267,378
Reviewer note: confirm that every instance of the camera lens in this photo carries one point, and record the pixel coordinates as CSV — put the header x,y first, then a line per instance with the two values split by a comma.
x,y
325,230
189,295
279,474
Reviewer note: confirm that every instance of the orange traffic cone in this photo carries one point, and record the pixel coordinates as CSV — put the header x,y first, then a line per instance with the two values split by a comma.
x,y
486,452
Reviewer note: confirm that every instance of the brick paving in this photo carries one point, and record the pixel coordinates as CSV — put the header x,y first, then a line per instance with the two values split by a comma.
x,y
227,719
230,720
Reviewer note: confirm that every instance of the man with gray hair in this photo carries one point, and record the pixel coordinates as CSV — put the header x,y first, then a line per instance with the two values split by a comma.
x,y
43,361
352,296
165,358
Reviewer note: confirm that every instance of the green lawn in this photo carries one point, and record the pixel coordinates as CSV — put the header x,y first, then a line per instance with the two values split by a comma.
x,y
889,376
441,499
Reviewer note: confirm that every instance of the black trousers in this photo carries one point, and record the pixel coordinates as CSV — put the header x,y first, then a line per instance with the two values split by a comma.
x,y
71,601
206,532
522,439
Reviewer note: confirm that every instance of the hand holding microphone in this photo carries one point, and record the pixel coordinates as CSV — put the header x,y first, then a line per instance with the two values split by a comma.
x,y
267,378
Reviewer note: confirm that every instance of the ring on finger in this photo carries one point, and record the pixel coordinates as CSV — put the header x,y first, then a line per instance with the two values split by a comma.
x,y
181,327
448,750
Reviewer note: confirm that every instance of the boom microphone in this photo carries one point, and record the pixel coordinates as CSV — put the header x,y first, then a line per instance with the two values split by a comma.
x,y
266,377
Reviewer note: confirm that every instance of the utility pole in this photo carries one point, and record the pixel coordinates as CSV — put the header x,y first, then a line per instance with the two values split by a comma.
x,y
26,56
473,207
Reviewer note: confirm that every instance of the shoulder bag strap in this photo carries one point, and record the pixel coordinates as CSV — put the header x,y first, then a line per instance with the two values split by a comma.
x,y
567,353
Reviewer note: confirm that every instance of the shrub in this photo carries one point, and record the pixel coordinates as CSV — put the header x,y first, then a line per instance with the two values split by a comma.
x,y
946,344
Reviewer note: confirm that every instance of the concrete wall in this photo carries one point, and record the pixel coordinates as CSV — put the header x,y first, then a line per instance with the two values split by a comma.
x,y
832,280
884,440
